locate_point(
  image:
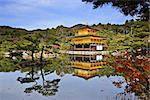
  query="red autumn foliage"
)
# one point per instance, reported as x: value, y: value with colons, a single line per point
x: 134, y: 71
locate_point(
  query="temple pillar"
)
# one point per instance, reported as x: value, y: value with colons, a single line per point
x: 82, y: 46
x: 82, y: 58
x: 90, y: 58
x: 90, y: 47
x: 74, y: 47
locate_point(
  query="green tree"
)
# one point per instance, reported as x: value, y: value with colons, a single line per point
x: 29, y: 42
x: 127, y: 7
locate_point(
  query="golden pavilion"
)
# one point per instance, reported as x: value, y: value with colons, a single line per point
x: 87, y: 39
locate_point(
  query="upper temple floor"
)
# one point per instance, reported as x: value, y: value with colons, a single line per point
x: 86, y: 31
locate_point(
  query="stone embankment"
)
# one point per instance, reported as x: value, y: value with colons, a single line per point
x: 27, y: 54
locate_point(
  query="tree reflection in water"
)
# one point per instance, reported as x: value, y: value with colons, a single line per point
x: 30, y: 77
x: 48, y: 87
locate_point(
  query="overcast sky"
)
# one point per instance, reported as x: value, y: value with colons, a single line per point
x: 33, y: 14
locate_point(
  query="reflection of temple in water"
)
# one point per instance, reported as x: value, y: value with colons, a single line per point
x: 87, y: 66
x: 87, y: 62
x: 86, y: 74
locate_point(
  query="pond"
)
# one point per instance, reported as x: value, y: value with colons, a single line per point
x: 71, y: 78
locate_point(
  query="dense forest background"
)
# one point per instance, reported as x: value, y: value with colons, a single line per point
x: 131, y: 35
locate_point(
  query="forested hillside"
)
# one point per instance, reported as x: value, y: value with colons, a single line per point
x: 131, y: 35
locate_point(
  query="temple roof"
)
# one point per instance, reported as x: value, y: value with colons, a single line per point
x: 87, y: 27
x: 81, y: 26
x: 88, y: 36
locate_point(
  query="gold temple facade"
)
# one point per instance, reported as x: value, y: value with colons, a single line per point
x: 87, y: 39
x: 86, y: 31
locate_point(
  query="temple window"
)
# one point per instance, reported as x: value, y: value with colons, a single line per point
x: 86, y: 46
x: 78, y: 46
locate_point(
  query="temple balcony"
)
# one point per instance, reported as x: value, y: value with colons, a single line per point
x: 88, y: 40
